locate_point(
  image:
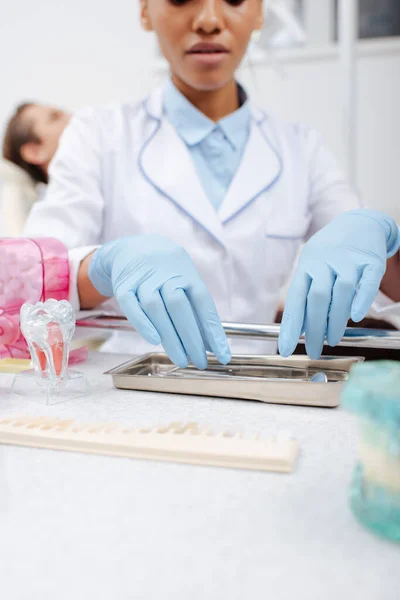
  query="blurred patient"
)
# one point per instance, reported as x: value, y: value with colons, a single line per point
x: 30, y: 143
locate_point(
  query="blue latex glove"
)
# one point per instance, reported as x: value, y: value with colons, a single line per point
x: 160, y: 292
x: 338, y: 276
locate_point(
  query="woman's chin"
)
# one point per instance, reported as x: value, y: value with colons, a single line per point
x: 207, y: 81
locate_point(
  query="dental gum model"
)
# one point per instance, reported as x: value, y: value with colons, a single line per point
x: 373, y: 393
x: 48, y: 328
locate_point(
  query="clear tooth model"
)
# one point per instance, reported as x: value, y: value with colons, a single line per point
x: 48, y: 328
x: 373, y: 393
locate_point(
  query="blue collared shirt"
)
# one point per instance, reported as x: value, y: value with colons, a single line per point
x: 216, y: 148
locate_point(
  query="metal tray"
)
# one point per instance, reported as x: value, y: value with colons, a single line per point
x: 270, y: 379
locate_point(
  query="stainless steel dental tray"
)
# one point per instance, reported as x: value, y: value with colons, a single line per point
x: 270, y: 379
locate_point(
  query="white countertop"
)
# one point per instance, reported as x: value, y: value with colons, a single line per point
x: 82, y: 527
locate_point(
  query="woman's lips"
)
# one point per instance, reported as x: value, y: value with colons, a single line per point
x: 207, y: 53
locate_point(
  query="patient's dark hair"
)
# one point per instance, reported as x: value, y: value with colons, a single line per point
x: 19, y: 131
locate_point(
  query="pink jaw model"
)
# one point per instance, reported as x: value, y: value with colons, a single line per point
x: 30, y: 271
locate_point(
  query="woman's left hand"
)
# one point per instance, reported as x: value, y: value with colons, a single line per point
x: 338, y: 277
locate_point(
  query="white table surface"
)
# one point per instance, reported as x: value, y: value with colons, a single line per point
x: 82, y: 527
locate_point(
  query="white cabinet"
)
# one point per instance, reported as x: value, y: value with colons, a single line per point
x: 320, y: 22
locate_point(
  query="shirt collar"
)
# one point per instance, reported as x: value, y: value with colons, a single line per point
x: 193, y: 126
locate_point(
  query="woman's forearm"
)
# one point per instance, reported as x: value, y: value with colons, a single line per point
x: 391, y: 281
x: 89, y: 297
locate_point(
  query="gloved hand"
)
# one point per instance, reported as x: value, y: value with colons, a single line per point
x: 160, y: 292
x: 338, y: 276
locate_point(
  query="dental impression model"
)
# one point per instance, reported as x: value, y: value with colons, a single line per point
x: 48, y: 328
x: 373, y: 393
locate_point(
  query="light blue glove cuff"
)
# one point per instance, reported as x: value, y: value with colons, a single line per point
x: 99, y: 271
x: 391, y: 228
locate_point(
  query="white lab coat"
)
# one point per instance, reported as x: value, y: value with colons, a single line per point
x: 125, y: 171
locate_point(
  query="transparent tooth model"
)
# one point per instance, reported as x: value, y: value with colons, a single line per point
x: 48, y: 328
x: 373, y: 393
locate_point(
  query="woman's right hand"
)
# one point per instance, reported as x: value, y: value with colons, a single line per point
x: 162, y: 295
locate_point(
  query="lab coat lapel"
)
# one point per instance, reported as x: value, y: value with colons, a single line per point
x: 259, y: 170
x: 163, y: 156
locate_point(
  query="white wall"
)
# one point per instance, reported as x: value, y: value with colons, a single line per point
x: 93, y: 51
x: 72, y: 52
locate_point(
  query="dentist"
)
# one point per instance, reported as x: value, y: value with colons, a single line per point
x: 191, y: 205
